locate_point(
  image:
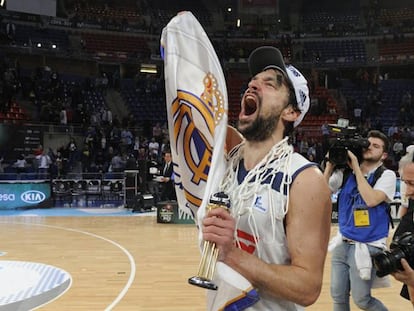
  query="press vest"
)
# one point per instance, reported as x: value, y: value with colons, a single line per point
x: 349, y: 200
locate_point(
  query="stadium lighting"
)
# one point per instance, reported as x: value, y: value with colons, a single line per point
x: 148, y: 68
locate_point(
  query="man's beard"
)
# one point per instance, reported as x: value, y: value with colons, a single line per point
x: 261, y: 128
x: 372, y: 159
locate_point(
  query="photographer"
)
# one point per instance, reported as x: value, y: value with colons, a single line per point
x: 406, y: 169
x: 406, y: 207
x: 363, y: 219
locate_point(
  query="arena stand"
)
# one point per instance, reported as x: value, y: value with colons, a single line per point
x: 96, y: 38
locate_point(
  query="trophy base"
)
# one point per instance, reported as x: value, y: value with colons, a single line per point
x: 202, y: 282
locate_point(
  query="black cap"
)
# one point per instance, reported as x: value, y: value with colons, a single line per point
x: 266, y: 57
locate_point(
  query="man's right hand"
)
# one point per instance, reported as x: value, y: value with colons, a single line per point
x: 407, y: 275
x: 352, y: 160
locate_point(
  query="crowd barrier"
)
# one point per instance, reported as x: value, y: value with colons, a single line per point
x: 25, y: 194
x: 82, y: 190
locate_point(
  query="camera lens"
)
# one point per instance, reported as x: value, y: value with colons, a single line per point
x: 338, y: 155
x: 388, y: 262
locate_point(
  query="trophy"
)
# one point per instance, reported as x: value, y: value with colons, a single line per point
x: 210, y: 253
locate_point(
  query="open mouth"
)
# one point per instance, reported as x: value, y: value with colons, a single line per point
x: 250, y: 105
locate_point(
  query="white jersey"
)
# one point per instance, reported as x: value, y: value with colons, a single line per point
x: 260, y: 218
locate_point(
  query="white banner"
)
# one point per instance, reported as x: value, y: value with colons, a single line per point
x: 197, y: 107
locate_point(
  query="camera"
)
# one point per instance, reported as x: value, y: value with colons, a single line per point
x: 346, y: 139
x: 390, y: 261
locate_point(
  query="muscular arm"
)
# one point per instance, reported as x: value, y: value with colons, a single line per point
x: 371, y: 196
x: 308, y: 229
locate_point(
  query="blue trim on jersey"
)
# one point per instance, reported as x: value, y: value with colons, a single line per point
x: 250, y: 298
x: 296, y: 173
x: 242, y: 173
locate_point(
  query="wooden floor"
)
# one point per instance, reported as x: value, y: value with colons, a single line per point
x: 127, y: 263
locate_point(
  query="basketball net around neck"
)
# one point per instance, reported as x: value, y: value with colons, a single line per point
x: 278, y: 159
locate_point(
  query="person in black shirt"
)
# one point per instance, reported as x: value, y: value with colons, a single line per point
x: 167, y: 179
x: 153, y: 170
x: 406, y: 276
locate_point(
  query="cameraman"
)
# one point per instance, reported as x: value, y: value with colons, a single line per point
x: 363, y: 220
x: 406, y: 169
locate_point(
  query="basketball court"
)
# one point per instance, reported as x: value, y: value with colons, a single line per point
x: 111, y: 259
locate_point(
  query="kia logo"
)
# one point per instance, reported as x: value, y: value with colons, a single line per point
x: 32, y: 196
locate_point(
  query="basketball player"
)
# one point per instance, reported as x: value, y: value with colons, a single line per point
x: 277, y: 231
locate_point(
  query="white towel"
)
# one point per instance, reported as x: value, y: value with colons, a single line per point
x: 363, y: 260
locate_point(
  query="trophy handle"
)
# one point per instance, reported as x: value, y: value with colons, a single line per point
x: 210, y: 252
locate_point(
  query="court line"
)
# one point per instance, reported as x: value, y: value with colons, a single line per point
x: 128, y: 254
